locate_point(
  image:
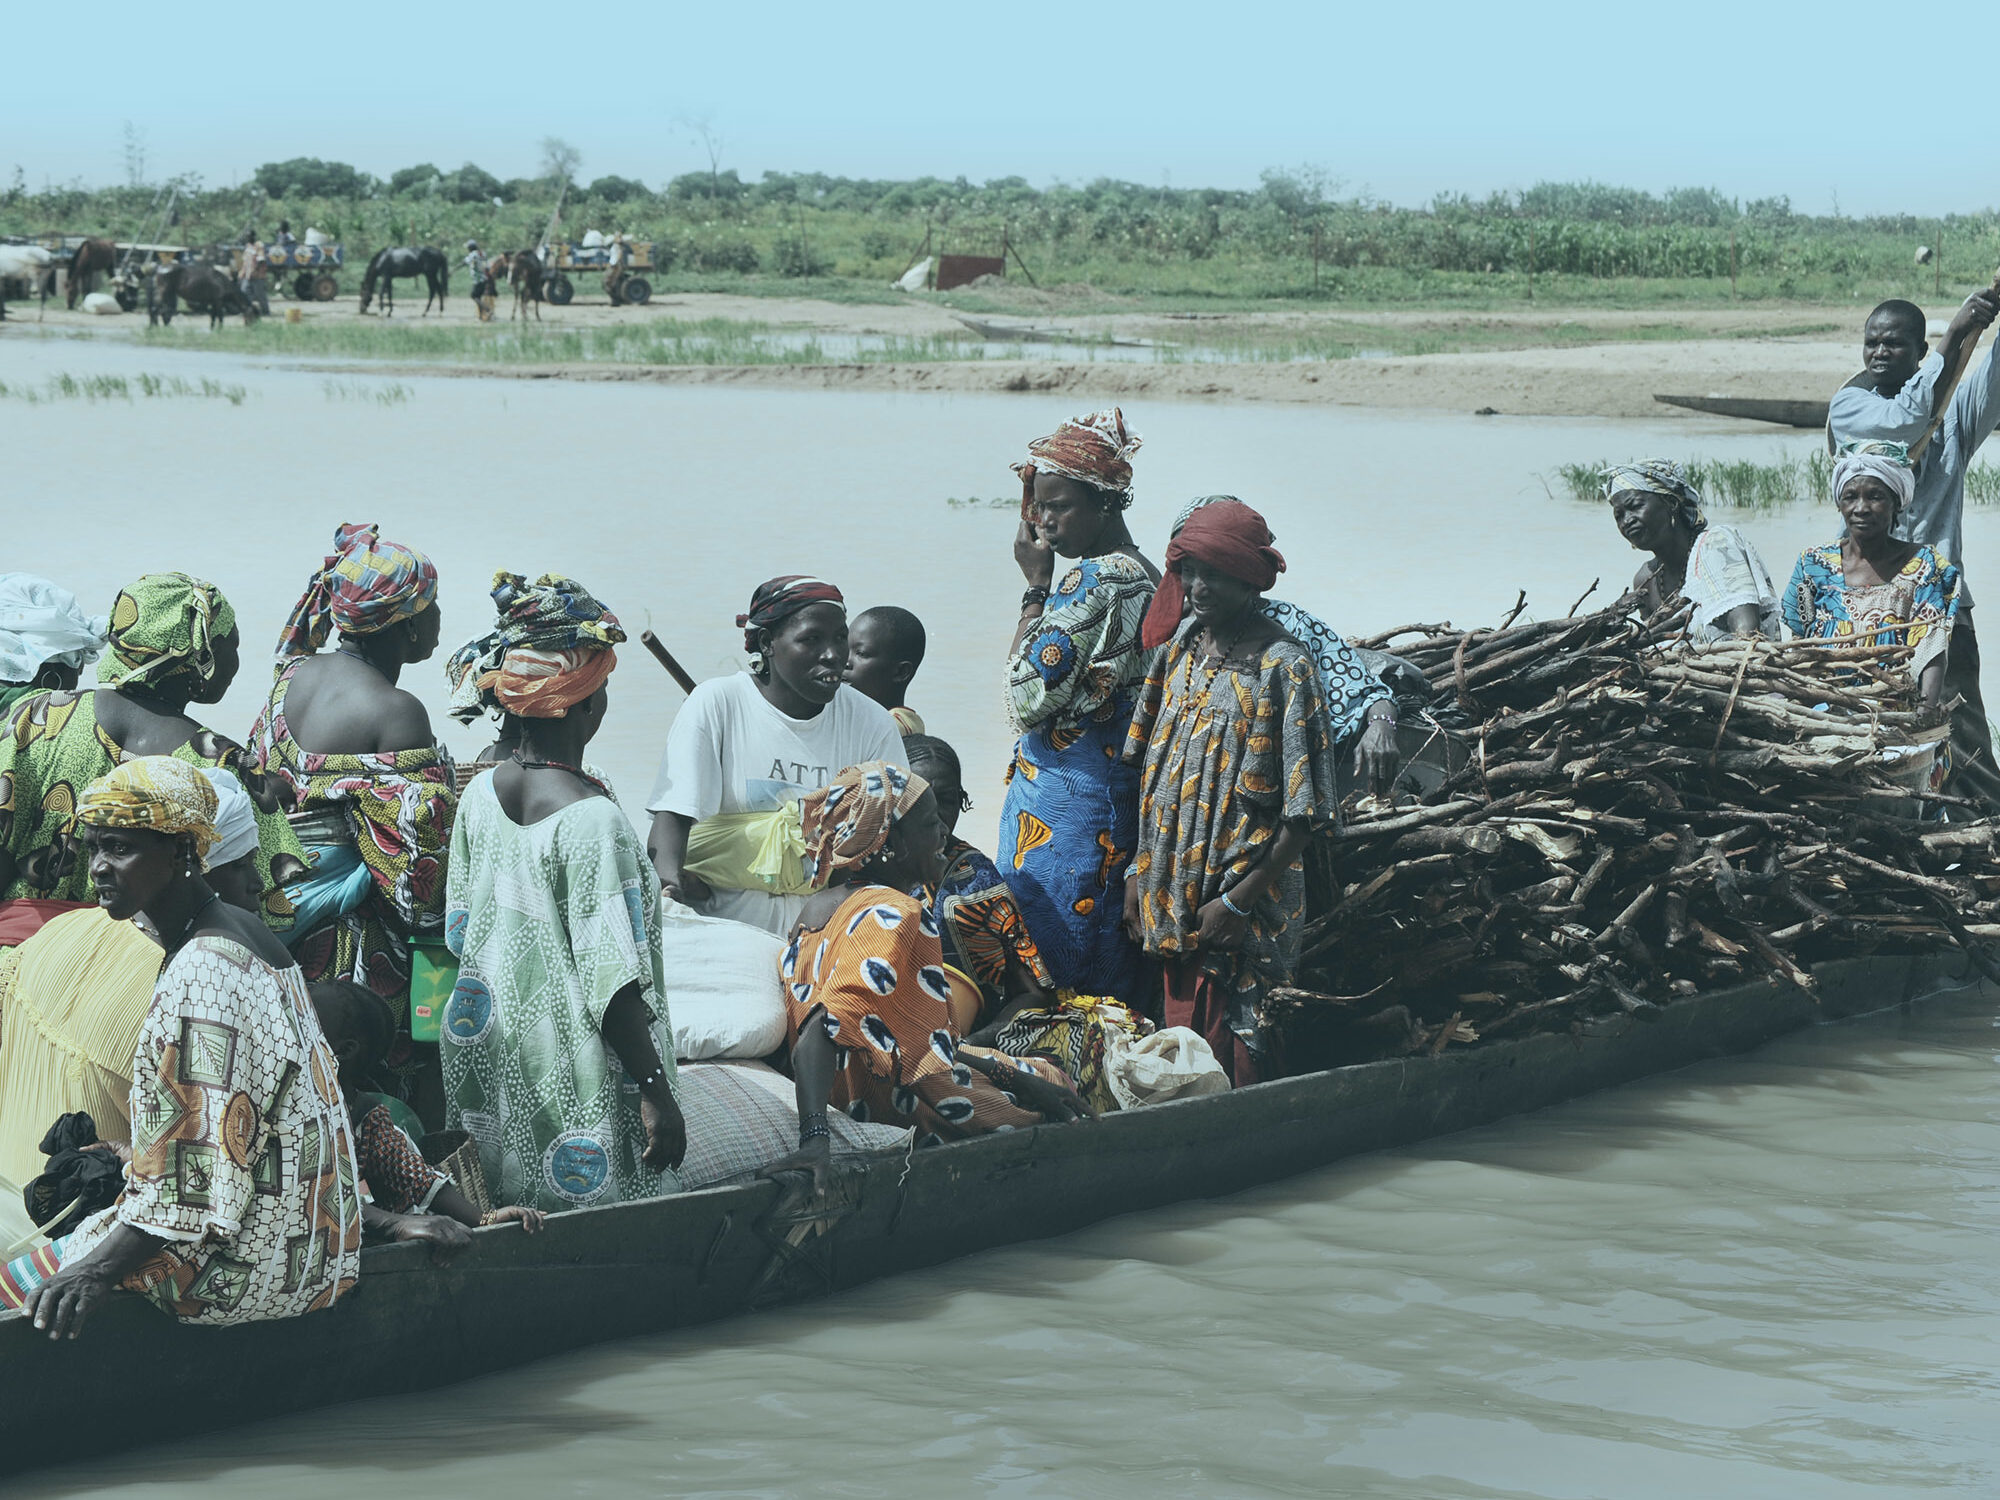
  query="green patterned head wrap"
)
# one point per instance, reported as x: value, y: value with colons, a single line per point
x: 162, y: 626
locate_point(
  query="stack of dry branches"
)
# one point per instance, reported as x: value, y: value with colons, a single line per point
x: 1623, y: 822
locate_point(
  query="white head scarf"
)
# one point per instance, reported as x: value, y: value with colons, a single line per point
x: 41, y: 623
x: 235, y: 820
x: 1899, y: 477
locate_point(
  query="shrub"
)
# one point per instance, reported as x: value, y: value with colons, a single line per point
x: 617, y: 189
x: 415, y: 179
x: 309, y: 177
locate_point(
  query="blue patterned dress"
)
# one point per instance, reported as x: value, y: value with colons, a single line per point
x: 1071, y: 818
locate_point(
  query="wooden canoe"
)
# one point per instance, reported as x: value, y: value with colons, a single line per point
x: 1754, y: 409
x: 602, y: 1274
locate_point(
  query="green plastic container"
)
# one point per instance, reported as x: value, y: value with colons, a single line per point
x: 433, y: 976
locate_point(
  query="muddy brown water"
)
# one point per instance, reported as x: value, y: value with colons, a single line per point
x: 1774, y: 1275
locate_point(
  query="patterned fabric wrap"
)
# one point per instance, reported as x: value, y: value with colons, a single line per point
x: 54, y: 748
x: 551, y: 614
x: 392, y: 810
x: 1070, y: 821
x: 154, y: 792
x: 41, y: 623
x: 242, y: 1158
x: 1658, y: 476
x: 980, y: 926
x: 1077, y: 1033
x: 1915, y: 608
x: 550, y: 922
x: 1096, y: 449
x: 1228, y: 757
x: 365, y: 585
x: 1724, y: 572
x: 547, y: 684
x: 165, y: 625
x: 1899, y: 476
x: 778, y: 599
x: 874, y: 976
x: 846, y: 822
x: 235, y: 821
x: 1226, y: 534
x: 393, y: 1170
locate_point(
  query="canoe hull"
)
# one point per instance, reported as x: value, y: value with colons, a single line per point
x: 1754, y: 409
x: 640, y: 1268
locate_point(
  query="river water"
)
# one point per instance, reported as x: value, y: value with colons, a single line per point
x: 1773, y: 1275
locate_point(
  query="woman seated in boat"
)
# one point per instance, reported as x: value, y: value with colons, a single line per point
x: 1715, y: 569
x: 1360, y: 707
x: 746, y: 748
x: 173, y: 642
x: 870, y: 1007
x: 1067, y: 827
x: 986, y: 941
x: 1236, y: 774
x: 46, y: 640
x: 239, y: 1202
x: 1871, y: 588
x: 557, y: 1049
x: 73, y: 997
x: 552, y: 614
x: 374, y: 789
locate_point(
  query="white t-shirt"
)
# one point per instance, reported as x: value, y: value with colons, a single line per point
x: 730, y: 751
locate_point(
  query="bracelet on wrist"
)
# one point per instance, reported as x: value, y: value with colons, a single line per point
x: 486, y: 1219
x: 1240, y: 911
x: 658, y: 1075
x: 1034, y: 597
x: 814, y: 1128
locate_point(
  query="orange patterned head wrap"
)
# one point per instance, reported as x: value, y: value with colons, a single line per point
x: 547, y: 684
x: 1095, y: 450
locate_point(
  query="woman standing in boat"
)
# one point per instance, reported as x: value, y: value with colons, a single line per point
x: 553, y: 613
x: 870, y: 1005
x: 1236, y: 775
x: 173, y: 642
x: 557, y: 1048
x: 746, y: 749
x: 1716, y: 569
x: 1070, y: 820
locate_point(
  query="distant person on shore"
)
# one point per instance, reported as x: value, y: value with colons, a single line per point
x: 1714, y: 568
x: 1074, y: 666
x: 1236, y: 775
x: 1894, y: 400
x: 614, y: 275
x: 256, y: 283
x: 885, y: 646
x: 374, y: 789
x: 746, y: 749
x: 476, y: 266
x: 46, y: 638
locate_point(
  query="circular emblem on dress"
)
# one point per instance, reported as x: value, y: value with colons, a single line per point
x: 239, y: 1128
x: 468, y: 1014
x: 879, y: 974
x: 635, y: 907
x: 455, y: 922
x: 577, y: 1166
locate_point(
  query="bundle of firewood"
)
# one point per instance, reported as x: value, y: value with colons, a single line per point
x: 1621, y: 821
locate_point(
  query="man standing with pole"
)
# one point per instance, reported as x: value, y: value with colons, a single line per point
x: 1906, y: 394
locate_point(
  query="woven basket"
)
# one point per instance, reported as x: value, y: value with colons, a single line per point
x: 453, y: 1153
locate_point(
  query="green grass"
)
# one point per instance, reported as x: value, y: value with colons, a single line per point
x: 66, y: 387
x: 1743, y: 485
x: 395, y: 393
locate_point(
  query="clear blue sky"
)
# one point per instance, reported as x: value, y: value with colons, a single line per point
x: 1400, y: 100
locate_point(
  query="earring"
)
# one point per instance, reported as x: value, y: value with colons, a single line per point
x: 756, y: 661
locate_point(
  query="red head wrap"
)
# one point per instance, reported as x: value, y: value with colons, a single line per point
x: 1096, y: 450
x: 778, y: 599
x: 1228, y: 535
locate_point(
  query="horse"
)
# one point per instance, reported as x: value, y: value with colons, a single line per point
x: 208, y: 289
x: 524, y: 273
x: 29, y: 263
x: 427, y: 262
x: 91, y: 257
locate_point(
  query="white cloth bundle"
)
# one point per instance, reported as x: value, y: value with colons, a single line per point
x: 723, y: 990
x: 41, y: 622
x: 1173, y: 1063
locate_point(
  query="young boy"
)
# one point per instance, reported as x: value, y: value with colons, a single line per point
x: 359, y: 1028
x: 885, y: 646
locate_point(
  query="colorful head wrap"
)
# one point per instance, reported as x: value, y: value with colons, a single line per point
x: 41, y: 623
x: 235, y: 820
x: 1225, y: 534
x: 1657, y: 476
x: 778, y: 599
x: 551, y: 615
x: 154, y: 792
x: 162, y: 626
x: 1095, y: 450
x: 365, y: 585
x: 847, y: 821
x: 546, y: 684
x: 1888, y: 462
x: 1181, y: 517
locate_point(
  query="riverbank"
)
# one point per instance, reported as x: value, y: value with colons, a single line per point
x: 1573, y: 361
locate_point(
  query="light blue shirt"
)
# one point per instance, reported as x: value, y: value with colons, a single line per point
x: 1936, y: 514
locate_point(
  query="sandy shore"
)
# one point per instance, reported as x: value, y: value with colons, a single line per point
x: 1746, y: 351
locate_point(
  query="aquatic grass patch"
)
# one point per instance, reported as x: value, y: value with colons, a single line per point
x: 395, y: 393
x: 67, y: 387
x: 991, y: 502
x: 1746, y: 485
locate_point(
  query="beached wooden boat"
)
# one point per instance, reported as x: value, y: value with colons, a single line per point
x: 1754, y: 409
x: 1028, y: 333
x: 607, y: 1273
